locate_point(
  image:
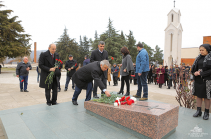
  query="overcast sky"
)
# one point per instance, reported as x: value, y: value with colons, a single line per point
x: 45, y: 20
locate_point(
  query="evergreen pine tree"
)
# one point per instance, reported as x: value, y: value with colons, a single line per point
x: 13, y: 40
x: 131, y: 44
x: 66, y: 46
x: 113, y: 43
x: 158, y: 55
x: 94, y: 44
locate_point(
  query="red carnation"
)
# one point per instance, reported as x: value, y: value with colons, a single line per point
x: 129, y: 102
x: 59, y: 67
x: 123, y: 103
x: 22, y: 80
x: 75, y: 64
x: 56, y: 59
x: 116, y: 101
x: 127, y: 98
x: 115, y: 69
x: 123, y: 98
x: 132, y: 75
x: 132, y: 101
x: 112, y: 58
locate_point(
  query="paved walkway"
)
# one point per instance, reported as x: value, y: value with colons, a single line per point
x: 11, y: 97
x: 26, y: 116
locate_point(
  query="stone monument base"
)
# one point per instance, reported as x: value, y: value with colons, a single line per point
x: 142, y: 119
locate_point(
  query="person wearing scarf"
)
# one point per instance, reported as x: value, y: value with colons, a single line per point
x: 201, y: 71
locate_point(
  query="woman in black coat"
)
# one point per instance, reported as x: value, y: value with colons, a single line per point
x: 166, y: 75
x: 201, y: 70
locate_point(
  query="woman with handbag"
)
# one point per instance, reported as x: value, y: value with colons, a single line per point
x: 201, y: 71
x: 126, y: 68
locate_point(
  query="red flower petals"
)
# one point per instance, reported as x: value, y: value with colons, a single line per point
x: 123, y: 98
x: 22, y: 80
x: 127, y: 98
x: 112, y: 58
x: 123, y: 103
x: 129, y: 102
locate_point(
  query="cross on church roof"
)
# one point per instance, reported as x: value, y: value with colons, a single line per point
x: 174, y: 3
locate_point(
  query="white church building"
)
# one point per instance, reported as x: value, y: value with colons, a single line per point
x: 173, y: 38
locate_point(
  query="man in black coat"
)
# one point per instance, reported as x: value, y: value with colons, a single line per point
x: 46, y: 64
x: 115, y: 71
x: 71, y: 66
x: 99, y: 55
x: 84, y: 76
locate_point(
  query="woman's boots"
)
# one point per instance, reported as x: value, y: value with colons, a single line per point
x: 121, y: 92
x: 127, y: 94
x: 198, y: 112
x: 206, y: 114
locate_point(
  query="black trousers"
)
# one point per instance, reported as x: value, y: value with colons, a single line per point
x: 115, y: 78
x: 135, y: 81
x: 169, y: 83
x: 54, y: 93
x: 59, y: 83
x: 104, y: 80
x: 125, y: 79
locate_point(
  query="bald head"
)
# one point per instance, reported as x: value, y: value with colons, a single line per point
x: 25, y: 59
x: 52, y: 48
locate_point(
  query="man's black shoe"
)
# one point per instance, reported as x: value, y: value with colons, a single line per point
x: 21, y: 90
x: 49, y: 104
x: 65, y: 89
x: 55, y: 103
x: 26, y: 91
x: 95, y: 96
x: 74, y: 102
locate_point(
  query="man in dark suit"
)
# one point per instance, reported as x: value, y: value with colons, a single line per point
x: 84, y: 76
x: 99, y: 55
x: 46, y: 64
x: 71, y: 66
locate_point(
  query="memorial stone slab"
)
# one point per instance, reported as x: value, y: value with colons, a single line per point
x: 150, y: 119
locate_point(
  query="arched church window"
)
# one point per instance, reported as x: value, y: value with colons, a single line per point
x: 172, y: 18
x: 171, y: 43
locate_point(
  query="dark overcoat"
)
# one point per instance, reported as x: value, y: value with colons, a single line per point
x: 160, y: 76
x: 70, y: 64
x: 116, y: 69
x: 45, y: 63
x: 87, y: 74
x: 98, y: 56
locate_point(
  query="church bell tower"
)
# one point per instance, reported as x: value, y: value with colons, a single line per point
x: 173, y: 38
